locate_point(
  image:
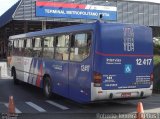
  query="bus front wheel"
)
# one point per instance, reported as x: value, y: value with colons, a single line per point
x: 16, y: 81
x: 47, y: 87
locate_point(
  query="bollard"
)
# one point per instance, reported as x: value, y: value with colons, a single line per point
x: 11, y: 105
x: 140, y: 111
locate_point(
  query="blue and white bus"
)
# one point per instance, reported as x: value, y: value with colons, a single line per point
x: 86, y: 62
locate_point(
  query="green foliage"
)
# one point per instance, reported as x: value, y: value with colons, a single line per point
x: 156, y: 42
x: 156, y: 59
x: 156, y: 49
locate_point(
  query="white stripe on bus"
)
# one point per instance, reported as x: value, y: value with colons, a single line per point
x: 57, y: 105
x: 16, y: 110
x: 38, y: 108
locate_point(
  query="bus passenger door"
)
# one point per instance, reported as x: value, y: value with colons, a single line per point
x: 60, y: 65
x: 80, y: 67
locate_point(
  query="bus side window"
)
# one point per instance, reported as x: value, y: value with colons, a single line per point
x: 10, y: 45
x: 15, y: 47
x: 48, y: 50
x: 28, y: 48
x: 10, y: 48
x: 21, y: 47
x: 80, y: 46
x: 37, y: 48
x: 62, y: 46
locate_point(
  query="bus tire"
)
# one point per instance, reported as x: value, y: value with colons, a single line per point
x: 47, y: 88
x: 16, y: 81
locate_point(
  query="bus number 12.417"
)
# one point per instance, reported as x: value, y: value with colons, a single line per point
x: 143, y: 61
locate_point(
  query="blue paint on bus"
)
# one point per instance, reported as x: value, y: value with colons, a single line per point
x: 120, y: 62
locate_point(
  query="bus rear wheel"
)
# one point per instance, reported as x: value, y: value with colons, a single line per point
x: 47, y: 88
x: 16, y: 81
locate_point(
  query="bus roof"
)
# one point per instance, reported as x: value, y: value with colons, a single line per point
x: 66, y: 29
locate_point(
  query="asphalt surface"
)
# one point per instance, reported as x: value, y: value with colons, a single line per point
x: 31, y: 104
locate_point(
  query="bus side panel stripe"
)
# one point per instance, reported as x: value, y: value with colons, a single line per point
x: 38, y: 81
x: 121, y: 55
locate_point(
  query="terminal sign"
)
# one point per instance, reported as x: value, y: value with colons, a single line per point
x: 72, y: 10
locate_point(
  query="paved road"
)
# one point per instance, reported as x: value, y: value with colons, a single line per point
x: 30, y: 103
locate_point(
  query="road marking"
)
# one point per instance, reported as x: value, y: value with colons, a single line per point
x: 17, y: 110
x: 57, y: 105
x: 38, y: 108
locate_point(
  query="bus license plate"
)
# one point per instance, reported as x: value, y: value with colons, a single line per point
x: 126, y: 95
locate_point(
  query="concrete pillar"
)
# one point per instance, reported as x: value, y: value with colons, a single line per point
x: 5, y: 43
x: 43, y: 25
x: 25, y: 26
x: 13, y: 31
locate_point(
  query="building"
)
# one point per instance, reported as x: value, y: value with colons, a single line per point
x: 33, y: 15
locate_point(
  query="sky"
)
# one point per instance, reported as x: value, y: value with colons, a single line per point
x: 6, y: 4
